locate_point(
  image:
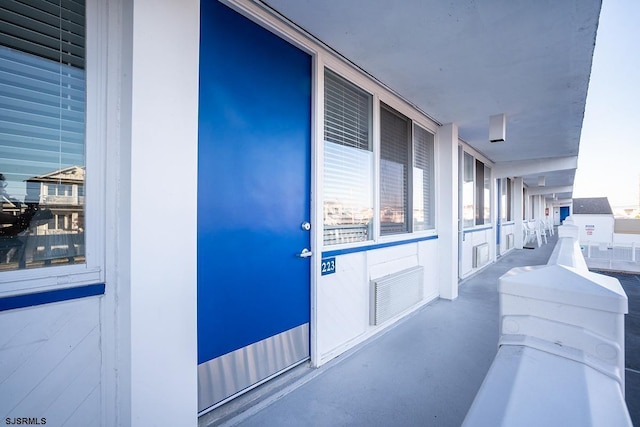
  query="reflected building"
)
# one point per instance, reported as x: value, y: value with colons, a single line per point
x: 62, y: 192
x: 48, y: 227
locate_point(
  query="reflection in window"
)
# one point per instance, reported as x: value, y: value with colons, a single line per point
x: 487, y: 195
x: 42, y: 137
x: 476, y: 192
x: 505, y: 199
x: 348, y: 162
x: 467, y: 191
x: 394, y: 172
x: 423, y: 192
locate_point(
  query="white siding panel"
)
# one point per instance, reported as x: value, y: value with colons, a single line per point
x: 85, y: 415
x: 428, y: 258
x: 50, y: 365
x: 505, y: 230
x: 472, y: 239
x: 343, y: 302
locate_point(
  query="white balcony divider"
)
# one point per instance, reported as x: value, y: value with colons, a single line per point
x: 560, y: 359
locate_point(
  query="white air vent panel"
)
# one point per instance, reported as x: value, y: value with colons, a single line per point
x: 392, y: 294
x: 480, y: 255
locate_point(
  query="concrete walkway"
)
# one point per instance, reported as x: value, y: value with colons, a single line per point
x: 425, y: 371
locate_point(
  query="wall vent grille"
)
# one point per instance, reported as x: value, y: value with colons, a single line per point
x: 510, y: 241
x: 393, y: 294
x: 480, y: 255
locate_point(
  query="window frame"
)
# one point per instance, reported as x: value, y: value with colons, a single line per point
x: 506, y: 196
x: 432, y: 193
x: 380, y: 94
x: 481, y: 177
x: 326, y: 70
x: 47, y: 278
x: 407, y: 207
x: 414, y: 119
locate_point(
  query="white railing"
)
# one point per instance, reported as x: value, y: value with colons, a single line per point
x: 560, y: 359
x: 628, y: 252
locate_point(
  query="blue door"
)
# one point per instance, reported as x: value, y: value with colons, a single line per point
x: 253, y: 203
x: 564, y: 213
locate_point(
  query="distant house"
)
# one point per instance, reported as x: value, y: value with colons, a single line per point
x: 61, y: 191
x: 594, y: 217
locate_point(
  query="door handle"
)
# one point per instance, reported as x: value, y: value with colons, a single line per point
x: 306, y: 253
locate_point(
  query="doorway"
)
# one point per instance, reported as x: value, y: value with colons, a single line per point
x: 254, y: 181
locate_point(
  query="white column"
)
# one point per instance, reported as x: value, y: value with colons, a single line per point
x: 159, y: 189
x: 518, y: 240
x: 447, y: 212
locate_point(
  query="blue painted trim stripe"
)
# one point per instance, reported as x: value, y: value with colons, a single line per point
x: 48, y: 297
x: 477, y: 229
x: 376, y: 246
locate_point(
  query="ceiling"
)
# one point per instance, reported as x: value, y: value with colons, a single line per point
x: 462, y: 61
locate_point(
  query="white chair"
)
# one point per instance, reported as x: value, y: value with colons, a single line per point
x: 531, y: 233
x: 549, y: 224
x: 542, y: 231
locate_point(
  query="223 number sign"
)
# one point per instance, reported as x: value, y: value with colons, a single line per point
x: 328, y: 266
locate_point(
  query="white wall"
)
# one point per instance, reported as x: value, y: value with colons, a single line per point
x: 447, y: 209
x: 343, y: 299
x: 474, y: 238
x: 600, y: 226
x: 627, y: 239
x: 152, y: 267
x: 505, y: 230
x: 50, y: 363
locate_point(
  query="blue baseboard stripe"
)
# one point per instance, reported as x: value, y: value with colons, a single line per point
x: 47, y: 297
x: 375, y: 246
x: 474, y: 230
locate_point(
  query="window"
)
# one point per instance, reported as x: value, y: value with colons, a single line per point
x: 42, y: 142
x: 406, y: 193
x: 348, y: 162
x: 476, y: 192
x: 394, y: 172
x: 423, y: 179
x: 467, y: 191
x: 486, y: 195
x: 505, y: 199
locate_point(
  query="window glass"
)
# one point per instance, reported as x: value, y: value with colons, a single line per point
x: 509, y: 195
x: 423, y: 192
x: 479, y: 193
x: 487, y: 195
x: 503, y: 200
x: 42, y: 136
x: 348, y: 162
x: 394, y: 172
x: 467, y: 191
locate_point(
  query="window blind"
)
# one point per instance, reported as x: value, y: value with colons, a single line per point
x: 423, y: 162
x: 42, y: 126
x: 348, y: 162
x: 486, y: 203
x: 479, y: 202
x: 467, y: 191
x: 53, y: 29
x: 347, y: 113
x: 509, y: 192
x: 42, y: 86
x: 394, y: 175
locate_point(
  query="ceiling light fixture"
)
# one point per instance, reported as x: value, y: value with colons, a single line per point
x: 497, y: 128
